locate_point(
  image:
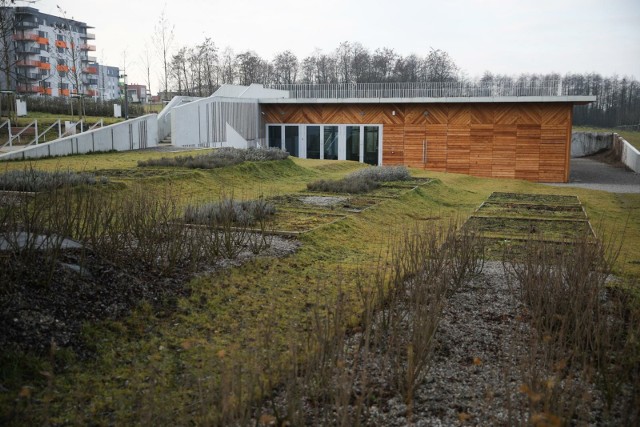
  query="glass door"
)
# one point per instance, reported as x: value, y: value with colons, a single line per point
x: 371, y: 144
x: 331, y: 142
x: 313, y: 142
x: 291, y: 140
x: 353, y: 143
x: 275, y: 136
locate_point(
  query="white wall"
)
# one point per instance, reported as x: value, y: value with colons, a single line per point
x: 164, y: 118
x: 133, y: 134
x: 587, y: 143
x: 629, y: 155
x: 204, y: 123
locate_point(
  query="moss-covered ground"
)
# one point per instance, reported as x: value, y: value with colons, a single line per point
x: 162, y: 366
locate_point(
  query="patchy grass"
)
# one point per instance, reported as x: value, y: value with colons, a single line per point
x: 159, y: 366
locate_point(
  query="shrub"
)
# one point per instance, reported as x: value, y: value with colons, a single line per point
x: 382, y: 173
x: 345, y: 185
x: 228, y: 210
x: 36, y: 180
x: 226, y: 156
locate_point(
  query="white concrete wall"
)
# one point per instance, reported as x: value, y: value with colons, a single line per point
x: 629, y: 155
x: 202, y: 123
x: 164, y: 118
x: 133, y: 134
x: 588, y: 143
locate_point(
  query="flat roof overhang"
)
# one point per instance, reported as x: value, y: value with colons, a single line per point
x: 454, y: 100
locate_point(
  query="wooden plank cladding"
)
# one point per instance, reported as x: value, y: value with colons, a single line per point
x: 503, y: 140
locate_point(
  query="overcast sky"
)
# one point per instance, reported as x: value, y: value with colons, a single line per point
x: 503, y: 36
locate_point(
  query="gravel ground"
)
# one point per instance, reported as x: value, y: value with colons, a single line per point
x: 592, y: 174
x: 322, y: 200
x: 476, y: 374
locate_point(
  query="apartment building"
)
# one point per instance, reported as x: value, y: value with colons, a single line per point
x: 108, y: 83
x: 51, y: 55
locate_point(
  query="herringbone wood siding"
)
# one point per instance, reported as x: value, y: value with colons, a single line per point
x: 512, y: 140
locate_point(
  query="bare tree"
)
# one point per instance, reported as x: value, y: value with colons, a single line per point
x: 145, y: 61
x: 228, y: 66
x: 439, y: 67
x: 249, y: 67
x: 344, y: 61
x: 164, y: 36
x: 285, y: 67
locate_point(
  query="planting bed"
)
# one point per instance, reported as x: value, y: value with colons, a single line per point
x: 508, y: 220
x: 321, y: 202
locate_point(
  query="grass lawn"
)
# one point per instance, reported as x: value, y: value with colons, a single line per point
x: 156, y: 368
x: 632, y: 137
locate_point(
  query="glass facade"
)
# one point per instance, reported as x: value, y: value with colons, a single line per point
x: 359, y: 143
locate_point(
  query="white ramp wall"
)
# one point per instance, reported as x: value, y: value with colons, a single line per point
x: 133, y: 134
x: 204, y: 123
x: 629, y: 155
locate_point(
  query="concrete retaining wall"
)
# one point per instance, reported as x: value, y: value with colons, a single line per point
x: 626, y: 152
x: 204, y: 123
x: 588, y: 143
x: 133, y: 134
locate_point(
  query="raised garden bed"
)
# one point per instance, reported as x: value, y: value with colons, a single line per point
x: 531, y: 210
x: 550, y: 199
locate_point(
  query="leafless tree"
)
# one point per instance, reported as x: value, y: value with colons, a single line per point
x: 439, y: 67
x: 164, y: 37
x: 285, y: 67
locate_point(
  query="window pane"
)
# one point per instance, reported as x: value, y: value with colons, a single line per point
x: 291, y: 140
x: 371, y: 134
x: 275, y: 136
x: 313, y: 142
x: 353, y: 143
x: 331, y: 142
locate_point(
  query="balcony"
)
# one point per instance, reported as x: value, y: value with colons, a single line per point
x: 44, y: 66
x: 22, y: 49
x: 61, y: 43
x: 28, y: 63
x: 87, y: 47
x: 26, y: 88
x: 64, y: 92
x: 26, y: 24
x: 88, y: 36
x: 63, y: 68
x: 43, y: 40
x: 91, y: 92
x: 91, y: 70
x: 26, y: 36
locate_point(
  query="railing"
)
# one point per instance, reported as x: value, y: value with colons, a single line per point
x: 43, y: 134
x: 74, y: 128
x: 7, y: 123
x: 96, y: 124
x: 424, y: 90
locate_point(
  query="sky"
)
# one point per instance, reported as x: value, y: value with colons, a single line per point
x: 501, y: 36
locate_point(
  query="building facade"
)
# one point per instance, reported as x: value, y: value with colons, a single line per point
x: 502, y: 131
x: 48, y: 55
x: 108, y: 83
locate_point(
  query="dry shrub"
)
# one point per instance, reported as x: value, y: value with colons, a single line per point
x: 584, y: 333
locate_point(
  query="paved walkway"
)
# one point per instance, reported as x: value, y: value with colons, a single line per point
x: 595, y: 175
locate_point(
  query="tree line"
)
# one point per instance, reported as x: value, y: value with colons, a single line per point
x: 201, y: 69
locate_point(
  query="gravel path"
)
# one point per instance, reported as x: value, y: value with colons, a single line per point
x: 594, y: 175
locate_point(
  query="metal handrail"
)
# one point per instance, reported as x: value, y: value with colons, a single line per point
x: 68, y: 131
x: 8, y: 124
x: 427, y: 89
x: 95, y: 125
x: 44, y: 133
x: 17, y: 135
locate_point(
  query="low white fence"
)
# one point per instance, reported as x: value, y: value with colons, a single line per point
x: 133, y: 134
